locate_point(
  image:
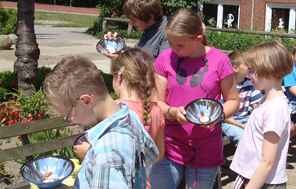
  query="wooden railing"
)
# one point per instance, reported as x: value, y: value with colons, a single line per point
x: 27, y: 149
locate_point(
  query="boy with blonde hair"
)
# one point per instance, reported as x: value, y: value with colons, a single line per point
x: 234, y: 127
x: 120, y: 148
x: 146, y: 16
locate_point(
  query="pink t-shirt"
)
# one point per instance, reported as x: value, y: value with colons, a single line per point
x: 157, y: 118
x: 272, y: 116
x: 190, y: 79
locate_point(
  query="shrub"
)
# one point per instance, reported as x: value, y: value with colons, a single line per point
x: 8, y: 82
x: 8, y: 21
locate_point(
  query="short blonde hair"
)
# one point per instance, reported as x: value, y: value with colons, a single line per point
x: 143, y: 9
x: 186, y: 22
x: 272, y: 60
x: 138, y: 73
x: 72, y: 77
x: 236, y: 58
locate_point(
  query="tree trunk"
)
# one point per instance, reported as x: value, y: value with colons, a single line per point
x: 72, y: 3
x: 27, y: 51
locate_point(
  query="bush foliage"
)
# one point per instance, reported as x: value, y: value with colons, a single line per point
x: 8, y: 21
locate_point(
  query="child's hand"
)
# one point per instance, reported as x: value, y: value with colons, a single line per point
x: 180, y: 115
x: 209, y: 126
x: 80, y: 150
x: 110, y: 35
x: 112, y: 56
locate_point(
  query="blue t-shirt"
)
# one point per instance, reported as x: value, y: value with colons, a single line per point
x: 289, y: 81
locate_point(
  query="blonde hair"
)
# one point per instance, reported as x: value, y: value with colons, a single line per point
x: 186, y: 22
x: 236, y: 58
x: 271, y: 60
x: 138, y: 74
x: 143, y: 9
x: 72, y: 77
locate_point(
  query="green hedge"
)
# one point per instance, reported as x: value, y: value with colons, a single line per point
x: 8, y: 21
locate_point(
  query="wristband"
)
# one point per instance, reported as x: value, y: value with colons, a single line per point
x: 222, y: 118
x: 168, y: 114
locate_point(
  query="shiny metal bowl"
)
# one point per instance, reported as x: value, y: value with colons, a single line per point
x: 110, y: 46
x: 47, y: 168
x: 203, y: 111
x: 81, y: 139
x: 292, y: 108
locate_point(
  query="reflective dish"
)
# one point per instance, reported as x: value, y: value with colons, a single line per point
x: 203, y: 111
x: 47, y: 171
x: 110, y: 46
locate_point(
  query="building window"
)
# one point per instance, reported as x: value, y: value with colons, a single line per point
x: 221, y: 14
x: 280, y: 16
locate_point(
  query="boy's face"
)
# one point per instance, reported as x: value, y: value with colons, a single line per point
x: 77, y: 113
x: 140, y: 25
x: 242, y: 70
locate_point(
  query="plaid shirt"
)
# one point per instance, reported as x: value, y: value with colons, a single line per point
x: 120, y: 149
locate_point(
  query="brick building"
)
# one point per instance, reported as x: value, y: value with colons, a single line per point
x: 263, y: 15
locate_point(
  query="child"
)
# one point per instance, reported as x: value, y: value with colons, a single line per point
x: 234, y: 127
x: 120, y: 148
x: 290, y: 85
x: 146, y: 16
x: 190, y: 70
x: 133, y: 82
x: 260, y: 158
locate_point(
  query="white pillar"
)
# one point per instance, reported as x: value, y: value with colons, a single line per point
x: 268, y: 18
x: 220, y: 16
x: 292, y: 20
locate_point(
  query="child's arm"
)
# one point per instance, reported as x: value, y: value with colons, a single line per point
x: 292, y: 90
x: 234, y: 122
x: 81, y: 150
x: 174, y: 112
x: 269, y: 151
x: 230, y: 96
x: 159, y: 141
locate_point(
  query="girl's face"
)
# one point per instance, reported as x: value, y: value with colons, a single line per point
x: 182, y: 46
x: 258, y: 83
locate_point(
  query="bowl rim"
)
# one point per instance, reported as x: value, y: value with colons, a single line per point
x: 102, y: 39
x: 199, y: 99
x: 43, y: 157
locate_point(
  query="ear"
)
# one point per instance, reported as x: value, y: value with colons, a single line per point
x: 120, y: 78
x: 87, y: 99
x: 151, y: 18
x: 199, y: 38
x: 235, y: 68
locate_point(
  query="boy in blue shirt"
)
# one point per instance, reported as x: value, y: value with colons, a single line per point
x: 233, y: 127
x: 290, y: 85
x: 120, y: 148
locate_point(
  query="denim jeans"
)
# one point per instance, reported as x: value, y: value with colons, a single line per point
x: 167, y: 174
x: 234, y: 132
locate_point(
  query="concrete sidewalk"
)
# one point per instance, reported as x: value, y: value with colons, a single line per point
x: 57, y: 43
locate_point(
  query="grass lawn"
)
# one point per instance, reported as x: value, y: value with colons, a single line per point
x: 57, y: 19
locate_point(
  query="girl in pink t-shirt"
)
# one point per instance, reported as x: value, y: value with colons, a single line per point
x: 191, y: 70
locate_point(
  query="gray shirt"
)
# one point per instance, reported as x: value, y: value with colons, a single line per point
x: 154, y: 38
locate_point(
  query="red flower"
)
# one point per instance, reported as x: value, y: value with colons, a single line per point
x: 0, y: 83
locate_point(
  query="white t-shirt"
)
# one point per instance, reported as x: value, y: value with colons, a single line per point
x: 270, y: 116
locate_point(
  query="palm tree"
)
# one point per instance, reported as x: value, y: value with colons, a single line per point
x: 27, y: 51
